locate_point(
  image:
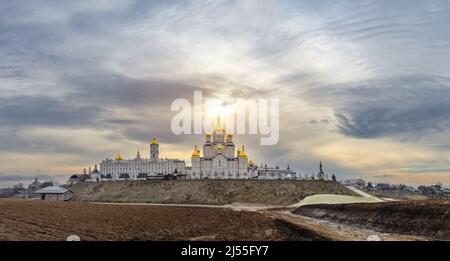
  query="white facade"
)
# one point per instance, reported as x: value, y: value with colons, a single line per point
x: 138, y: 168
x: 219, y: 161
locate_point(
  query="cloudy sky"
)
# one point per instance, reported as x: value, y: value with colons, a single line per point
x: 364, y: 85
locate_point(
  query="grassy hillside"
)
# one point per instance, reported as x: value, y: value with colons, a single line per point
x: 214, y: 192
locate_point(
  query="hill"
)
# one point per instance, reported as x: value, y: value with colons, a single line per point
x: 212, y: 192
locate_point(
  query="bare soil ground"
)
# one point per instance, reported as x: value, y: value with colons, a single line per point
x: 430, y: 218
x: 46, y: 220
x: 340, y: 232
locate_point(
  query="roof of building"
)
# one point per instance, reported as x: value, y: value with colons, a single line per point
x: 52, y: 190
x: 81, y: 177
x: 35, y: 183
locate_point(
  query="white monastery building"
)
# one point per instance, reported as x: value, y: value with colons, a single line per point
x: 138, y: 168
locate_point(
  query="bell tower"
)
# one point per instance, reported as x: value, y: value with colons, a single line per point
x: 154, y: 149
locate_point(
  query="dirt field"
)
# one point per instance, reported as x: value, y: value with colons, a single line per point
x: 210, y: 192
x: 45, y: 220
x: 429, y: 218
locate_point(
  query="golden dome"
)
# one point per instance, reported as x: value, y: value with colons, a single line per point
x: 119, y: 157
x: 219, y: 147
x: 250, y: 163
x: 196, y: 152
x: 242, y: 154
x: 154, y: 141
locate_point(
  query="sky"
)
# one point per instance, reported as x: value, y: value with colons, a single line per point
x: 364, y: 86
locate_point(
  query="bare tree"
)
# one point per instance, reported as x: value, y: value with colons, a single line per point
x: 18, y: 186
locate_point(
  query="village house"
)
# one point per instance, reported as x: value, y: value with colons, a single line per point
x: 55, y: 193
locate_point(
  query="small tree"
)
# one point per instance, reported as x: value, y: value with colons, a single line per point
x: 333, y: 177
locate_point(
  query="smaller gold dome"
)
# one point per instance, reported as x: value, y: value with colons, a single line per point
x: 219, y: 147
x: 119, y: 157
x: 154, y: 141
x: 250, y: 162
x: 196, y: 152
x: 243, y: 154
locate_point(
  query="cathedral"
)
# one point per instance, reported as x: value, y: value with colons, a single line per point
x: 219, y: 160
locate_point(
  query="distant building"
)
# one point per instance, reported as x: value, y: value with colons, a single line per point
x: 75, y: 178
x: 355, y: 182
x: 383, y: 186
x: 55, y: 193
x: 35, y: 185
x: 265, y: 172
x: 24, y: 193
x: 321, y: 174
x: 6, y: 192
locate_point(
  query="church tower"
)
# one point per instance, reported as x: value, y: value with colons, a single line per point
x: 196, y: 163
x: 154, y: 149
x: 229, y: 147
x: 242, y: 163
x: 321, y: 174
x: 207, y: 147
x: 219, y: 132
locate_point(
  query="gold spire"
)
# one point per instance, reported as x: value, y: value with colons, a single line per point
x: 154, y: 141
x: 196, y: 152
x: 219, y: 126
x: 138, y: 155
x: 242, y: 154
x: 119, y: 157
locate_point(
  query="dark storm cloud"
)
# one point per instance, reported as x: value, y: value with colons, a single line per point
x: 21, y: 139
x: 389, y: 107
x: 45, y: 111
x: 117, y: 90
